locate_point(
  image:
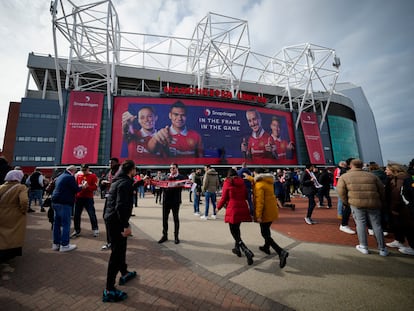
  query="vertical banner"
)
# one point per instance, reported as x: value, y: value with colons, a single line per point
x: 83, y: 126
x: 312, y: 136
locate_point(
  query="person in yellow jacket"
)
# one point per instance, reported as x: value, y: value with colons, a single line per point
x: 266, y: 211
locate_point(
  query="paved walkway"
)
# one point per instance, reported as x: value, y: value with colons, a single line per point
x: 324, y: 271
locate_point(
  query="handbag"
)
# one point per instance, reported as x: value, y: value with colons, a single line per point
x: 47, y: 202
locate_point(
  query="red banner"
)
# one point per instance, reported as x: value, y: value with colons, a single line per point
x: 83, y: 126
x: 312, y: 136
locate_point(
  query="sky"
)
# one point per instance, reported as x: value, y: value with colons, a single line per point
x: 373, y: 38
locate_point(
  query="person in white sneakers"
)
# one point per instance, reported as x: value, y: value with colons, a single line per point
x: 63, y: 199
x: 400, y: 191
x: 364, y: 192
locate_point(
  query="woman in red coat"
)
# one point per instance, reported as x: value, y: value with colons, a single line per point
x: 234, y: 198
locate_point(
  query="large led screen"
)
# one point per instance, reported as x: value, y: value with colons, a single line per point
x: 343, y: 138
x: 164, y: 130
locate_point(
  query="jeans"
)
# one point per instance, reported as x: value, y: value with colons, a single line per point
x: 61, y: 224
x: 311, y: 205
x: 196, y: 201
x: 340, y: 205
x: 212, y: 196
x: 88, y: 204
x: 250, y: 201
x: 36, y: 195
x: 141, y: 192
x: 374, y: 215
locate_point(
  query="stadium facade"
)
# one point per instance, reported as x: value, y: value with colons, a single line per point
x: 82, y: 105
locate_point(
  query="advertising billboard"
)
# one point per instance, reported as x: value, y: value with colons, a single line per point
x: 159, y: 131
x: 310, y: 127
x: 83, y: 127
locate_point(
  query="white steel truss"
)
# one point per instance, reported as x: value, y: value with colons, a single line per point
x: 218, y: 56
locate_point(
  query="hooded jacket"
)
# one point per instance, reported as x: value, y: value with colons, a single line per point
x: 264, y: 199
x: 211, y: 181
x: 234, y: 196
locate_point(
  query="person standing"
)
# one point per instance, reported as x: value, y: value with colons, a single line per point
x: 84, y: 199
x: 63, y: 199
x: 339, y: 170
x: 210, y: 186
x: 197, y: 180
x: 325, y: 180
x: 157, y: 188
x: 118, y: 209
x: 266, y: 211
x: 171, y: 201
x: 114, y: 169
x: 13, y: 207
x: 364, y: 193
x: 35, y: 184
x: 237, y: 211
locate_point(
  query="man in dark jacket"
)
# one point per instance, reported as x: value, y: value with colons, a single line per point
x: 118, y: 207
x: 63, y: 199
x: 171, y: 201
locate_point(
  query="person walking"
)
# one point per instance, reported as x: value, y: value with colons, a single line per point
x: 13, y: 208
x: 171, y: 201
x: 118, y: 210
x: 114, y: 169
x: 309, y: 188
x: 234, y: 196
x: 266, y: 211
x: 63, y: 199
x: 364, y: 193
x: 84, y: 199
x: 210, y: 186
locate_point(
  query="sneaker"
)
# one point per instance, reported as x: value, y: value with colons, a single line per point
x: 384, y: 252
x: 362, y: 249
x: 197, y: 214
x: 106, y: 246
x: 385, y: 233
x: 313, y: 221
x: 113, y: 295
x: 282, y: 258
x: 74, y: 235
x: 406, y: 250
x: 95, y: 233
x: 308, y: 221
x: 395, y: 244
x: 127, y: 277
x: 370, y: 232
x: 346, y: 229
x: 67, y: 248
x: 203, y: 217
x: 55, y: 247
x: 213, y: 217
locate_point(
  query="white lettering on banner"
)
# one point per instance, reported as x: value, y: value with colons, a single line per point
x: 85, y: 104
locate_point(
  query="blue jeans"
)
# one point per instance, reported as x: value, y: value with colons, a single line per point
x: 250, y: 201
x: 196, y: 201
x: 374, y: 215
x: 61, y: 224
x: 36, y: 195
x: 88, y: 204
x: 210, y: 196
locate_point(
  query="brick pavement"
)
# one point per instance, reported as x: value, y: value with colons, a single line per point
x: 48, y: 280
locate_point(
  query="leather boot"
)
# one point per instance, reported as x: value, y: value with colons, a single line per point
x: 236, y: 250
x: 176, y: 239
x: 247, y: 252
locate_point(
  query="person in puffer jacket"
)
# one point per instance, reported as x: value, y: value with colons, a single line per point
x: 234, y: 199
x: 266, y: 211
